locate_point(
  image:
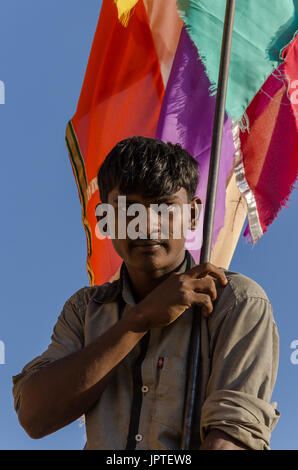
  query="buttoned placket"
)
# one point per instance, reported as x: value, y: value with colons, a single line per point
x: 149, y: 389
x: 148, y: 374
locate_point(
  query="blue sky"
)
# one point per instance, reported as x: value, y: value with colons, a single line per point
x: 43, y: 56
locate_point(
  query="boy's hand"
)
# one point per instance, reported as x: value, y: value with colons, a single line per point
x: 178, y: 293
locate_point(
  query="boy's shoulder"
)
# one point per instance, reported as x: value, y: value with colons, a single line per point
x: 106, y: 292
x: 241, y: 298
x: 244, y: 287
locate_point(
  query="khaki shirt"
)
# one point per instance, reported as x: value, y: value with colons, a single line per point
x: 239, y: 361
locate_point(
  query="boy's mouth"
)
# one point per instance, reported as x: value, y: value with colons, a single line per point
x: 148, y: 244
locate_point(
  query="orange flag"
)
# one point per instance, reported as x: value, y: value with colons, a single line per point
x: 121, y: 97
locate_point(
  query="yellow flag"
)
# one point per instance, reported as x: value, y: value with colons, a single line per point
x: 124, y: 8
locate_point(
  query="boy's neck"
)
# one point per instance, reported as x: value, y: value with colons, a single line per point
x: 142, y: 283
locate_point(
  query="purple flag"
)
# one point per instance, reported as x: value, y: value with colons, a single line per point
x: 187, y: 118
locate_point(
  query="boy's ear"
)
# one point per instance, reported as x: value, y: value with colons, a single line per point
x: 196, y: 207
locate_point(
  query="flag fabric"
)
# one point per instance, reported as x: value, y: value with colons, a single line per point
x: 186, y: 117
x: 121, y: 96
x: 147, y: 76
x: 267, y: 163
x: 261, y: 30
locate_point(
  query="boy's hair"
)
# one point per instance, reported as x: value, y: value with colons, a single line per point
x: 149, y: 166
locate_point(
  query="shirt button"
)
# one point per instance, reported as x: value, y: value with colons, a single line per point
x: 138, y: 437
x: 145, y: 389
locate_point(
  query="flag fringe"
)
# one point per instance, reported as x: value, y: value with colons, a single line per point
x: 244, y: 188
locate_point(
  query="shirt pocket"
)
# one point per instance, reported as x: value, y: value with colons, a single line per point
x: 170, y: 393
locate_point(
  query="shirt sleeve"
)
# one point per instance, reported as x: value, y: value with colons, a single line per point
x: 67, y: 338
x: 244, y: 349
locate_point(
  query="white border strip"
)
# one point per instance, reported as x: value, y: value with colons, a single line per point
x: 252, y: 211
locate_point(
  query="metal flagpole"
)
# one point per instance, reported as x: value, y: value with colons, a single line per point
x: 191, y: 391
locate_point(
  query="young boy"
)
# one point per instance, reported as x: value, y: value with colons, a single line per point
x: 119, y: 351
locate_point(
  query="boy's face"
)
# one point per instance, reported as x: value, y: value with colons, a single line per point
x: 154, y: 241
